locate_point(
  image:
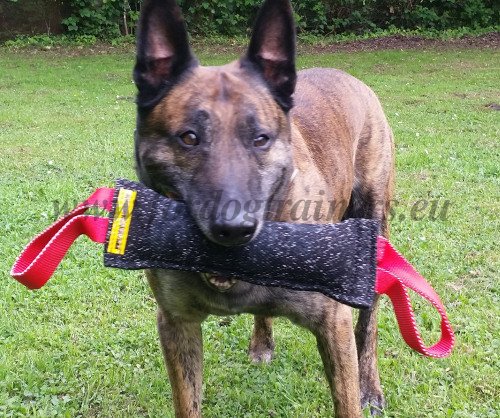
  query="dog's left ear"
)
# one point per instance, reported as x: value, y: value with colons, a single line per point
x: 272, y: 49
x: 163, y: 52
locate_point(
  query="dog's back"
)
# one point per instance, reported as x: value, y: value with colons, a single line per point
x: 339, y: 128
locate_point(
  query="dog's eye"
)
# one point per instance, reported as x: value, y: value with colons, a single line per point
x: 261, y: 141
x: 189, y: 139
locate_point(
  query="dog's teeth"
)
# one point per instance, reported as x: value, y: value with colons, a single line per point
x: 220, y: 283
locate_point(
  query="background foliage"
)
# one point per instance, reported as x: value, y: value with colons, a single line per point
x: 234, y: 17
x: 107, y: 19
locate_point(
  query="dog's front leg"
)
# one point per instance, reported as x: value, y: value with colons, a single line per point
x: 337, y: 347
x: 183, y: 352
x: 366, y: 341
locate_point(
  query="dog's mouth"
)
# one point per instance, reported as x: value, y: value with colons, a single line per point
x: 214, y: 281
x: 219, y: 283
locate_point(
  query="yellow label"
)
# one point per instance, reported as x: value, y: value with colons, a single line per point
x: 121, y: 221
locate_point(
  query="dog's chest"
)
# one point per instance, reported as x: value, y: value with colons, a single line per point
x: 188, y: 296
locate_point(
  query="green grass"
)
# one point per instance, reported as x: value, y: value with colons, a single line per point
x: 86, y: 344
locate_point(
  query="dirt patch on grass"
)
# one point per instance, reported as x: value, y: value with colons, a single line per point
x: 493, y: 106
x: 400, y: 42
x: 393, y: 42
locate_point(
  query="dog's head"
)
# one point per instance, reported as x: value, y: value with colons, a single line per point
x: 216, y: 137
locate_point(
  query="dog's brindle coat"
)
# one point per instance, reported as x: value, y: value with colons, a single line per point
x: 234, y: 130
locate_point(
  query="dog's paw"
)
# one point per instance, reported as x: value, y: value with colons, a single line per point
x: 260, y: 352
x: 374, y: 400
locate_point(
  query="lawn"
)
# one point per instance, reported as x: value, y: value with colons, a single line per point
x: 86, y: 344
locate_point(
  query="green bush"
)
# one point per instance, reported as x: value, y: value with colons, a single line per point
x: 110, y: 19
x: 105, y: 19
x: 30, y: 41
x: 436, y: 14
x: 47, y: 41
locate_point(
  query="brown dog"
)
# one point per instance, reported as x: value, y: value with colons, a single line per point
x: 234, y: 132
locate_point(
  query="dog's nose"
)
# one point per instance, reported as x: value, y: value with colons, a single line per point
x: 233, y: 233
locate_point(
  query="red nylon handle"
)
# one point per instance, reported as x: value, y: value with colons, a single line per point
x: 394, y: 276
x: 38, y: 261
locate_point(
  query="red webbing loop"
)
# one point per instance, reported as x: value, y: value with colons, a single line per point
x: 43, y: 254
x: 394, y: 275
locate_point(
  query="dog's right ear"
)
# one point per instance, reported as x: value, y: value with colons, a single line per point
x: 163, y: 52
x: 272, y: 49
